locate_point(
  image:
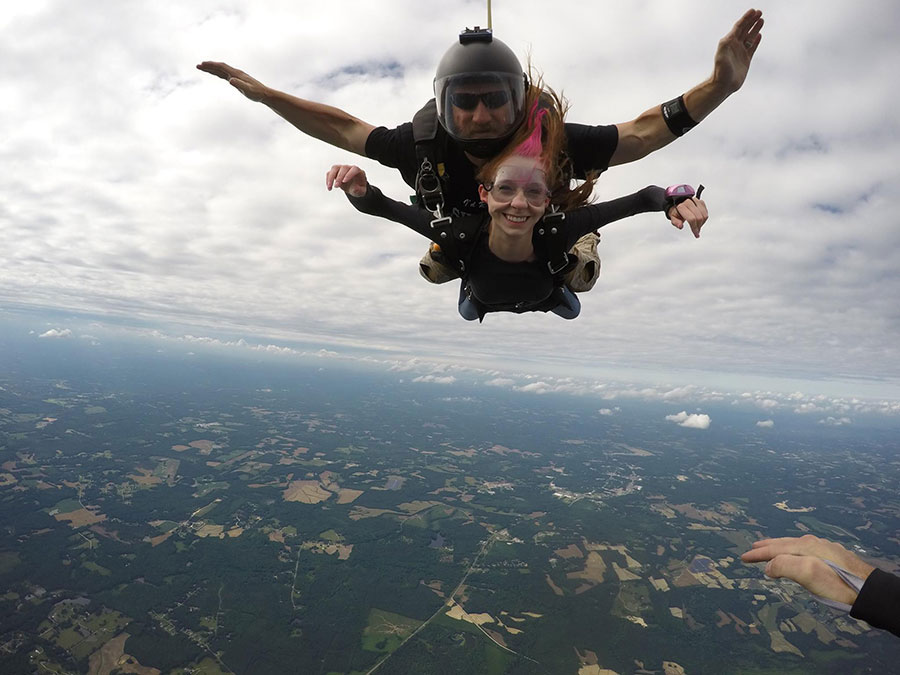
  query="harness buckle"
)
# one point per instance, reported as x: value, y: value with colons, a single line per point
x: 554, y: 218
x: 550, y: 234
x: 556, y: 269
x: 428, y: 187
x: 444, y: 227
x: 442, y: 223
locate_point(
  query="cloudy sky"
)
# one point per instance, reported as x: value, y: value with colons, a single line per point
x: 135, y: 188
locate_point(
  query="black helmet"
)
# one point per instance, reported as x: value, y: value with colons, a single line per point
x: 479, y: 89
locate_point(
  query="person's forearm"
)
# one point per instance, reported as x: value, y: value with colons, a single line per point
x: 649, y: 131
x: 325, y: 122
x: 376, y: 203
x: 594, y: 216
x: 701, y: 100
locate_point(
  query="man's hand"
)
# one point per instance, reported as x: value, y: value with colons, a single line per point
x: 248, y: 86
x: 349, y: 178
x: 325, y: 122
x: 691, y: 211
x: 800, y: 559
x: 736, y: 50
x: 649, y: 132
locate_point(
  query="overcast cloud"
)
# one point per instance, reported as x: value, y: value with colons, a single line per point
x: 136, y: 187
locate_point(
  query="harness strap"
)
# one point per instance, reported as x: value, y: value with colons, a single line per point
x: 549, y: 243
x: 457, y: 240
x: 428, y: 182
x: 557, y: 298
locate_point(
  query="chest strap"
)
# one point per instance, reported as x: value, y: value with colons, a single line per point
x: 457, y: 239
x: 429, y: 190
x: 549, y: 242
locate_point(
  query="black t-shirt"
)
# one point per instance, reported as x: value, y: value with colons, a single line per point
x: 590, y: 148
x: 495, y: 282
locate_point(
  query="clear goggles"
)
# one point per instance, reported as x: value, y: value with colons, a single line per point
x: 519, y: 174
x: 502, y: 94
x: 505, y: 190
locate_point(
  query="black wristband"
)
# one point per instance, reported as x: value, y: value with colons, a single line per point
x: 676, y: 116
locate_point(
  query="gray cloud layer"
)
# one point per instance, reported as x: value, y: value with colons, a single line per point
x: 137, y: 186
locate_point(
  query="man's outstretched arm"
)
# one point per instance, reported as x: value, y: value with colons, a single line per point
x: 649, y: 131
x: 325, y: 122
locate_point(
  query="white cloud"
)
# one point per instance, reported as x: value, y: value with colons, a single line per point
x: 606, y: 412
x: 540, y: 387
x: 692, y: 421
x: 836, y: 421
x: 435, y: 379
x: 765, y: 424
x: 767, y: 403
x: 500, y: 382
x: 56, y: 333
x: 679, y: 393
x: 697, y: 422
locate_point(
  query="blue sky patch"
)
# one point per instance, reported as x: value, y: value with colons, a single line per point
x: 381, y: 70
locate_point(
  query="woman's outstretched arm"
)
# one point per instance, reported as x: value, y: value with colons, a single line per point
x: 588, y: 218
x: 370, y: 200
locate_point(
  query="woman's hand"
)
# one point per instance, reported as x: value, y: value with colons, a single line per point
x: 349, y: 178
x: 691, y: 211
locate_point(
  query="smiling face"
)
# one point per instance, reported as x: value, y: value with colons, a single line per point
x: 517, y: 198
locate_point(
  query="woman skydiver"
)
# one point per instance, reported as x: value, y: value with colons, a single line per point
x: 514, y: 258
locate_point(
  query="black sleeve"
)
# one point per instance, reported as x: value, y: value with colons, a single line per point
x: 878, y: 603
x: 374, y: 203
x: 590, y: 147
x: 394, y: 148
x: 593, y: 216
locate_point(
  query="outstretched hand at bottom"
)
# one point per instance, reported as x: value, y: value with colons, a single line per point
x: 801, y: 559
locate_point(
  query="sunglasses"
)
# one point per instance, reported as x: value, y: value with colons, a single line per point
x: 469, y: 101
x: 504, y: 192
